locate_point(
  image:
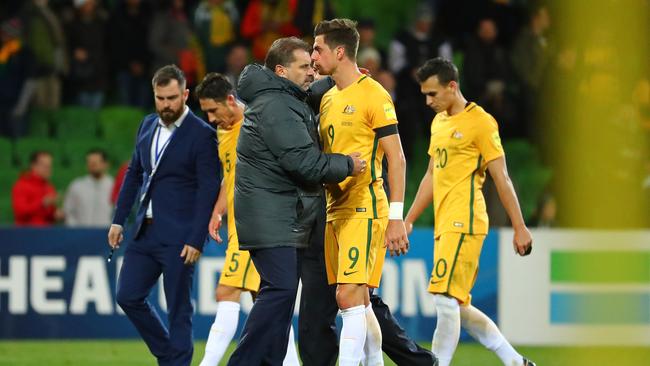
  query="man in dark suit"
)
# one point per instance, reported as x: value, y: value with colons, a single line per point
x: 174, y: 175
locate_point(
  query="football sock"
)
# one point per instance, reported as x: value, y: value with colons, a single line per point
x: 221, y: 332
x: 291, y: 358
x: 372, y: 353
x: 445, y: 337
x: 483, y: 329
x: 353, y: 335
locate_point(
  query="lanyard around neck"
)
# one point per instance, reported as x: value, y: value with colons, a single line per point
x: 159, y: 151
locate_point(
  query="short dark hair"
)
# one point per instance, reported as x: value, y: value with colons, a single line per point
x: 35, y: 155
x: 98, y: 151
x: 445, y: 70
x: 281, y: 51
x: 166, y: 74
x: 340, y: 32
x: 214, y: 86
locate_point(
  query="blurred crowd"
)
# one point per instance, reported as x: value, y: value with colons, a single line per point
x: 93, y: 53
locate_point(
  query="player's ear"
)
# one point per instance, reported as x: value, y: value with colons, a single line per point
x: 453, y: 85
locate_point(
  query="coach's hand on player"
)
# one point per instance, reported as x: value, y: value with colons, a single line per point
x: 359, y: 164
x: 522, y: 241
x: 213, y: 227
x: 115, y: 236
x: 397, y: 240
x: 190, y: 254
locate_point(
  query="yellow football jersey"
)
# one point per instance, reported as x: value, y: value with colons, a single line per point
x: 461, y: 146
x: 348, y: 119
x: 228, y: 157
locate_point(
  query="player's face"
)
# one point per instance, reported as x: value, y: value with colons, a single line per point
x: 324, y: 57
x: 221, y: 114
x: 170, y: 101
x: 439, y: 97
x: 300, y: 71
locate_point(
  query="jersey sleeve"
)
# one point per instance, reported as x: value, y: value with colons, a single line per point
x: 487, y: 139
x: 382, y: 111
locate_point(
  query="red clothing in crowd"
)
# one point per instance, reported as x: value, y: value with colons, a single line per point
x: 27, y: 196
x: 117, y: 185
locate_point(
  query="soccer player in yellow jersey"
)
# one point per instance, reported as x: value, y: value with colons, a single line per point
x: 464, y: 144
x: 357, y: 115
x: 215, y: 94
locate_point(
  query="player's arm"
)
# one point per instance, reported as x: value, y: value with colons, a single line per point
x: 522, y: 240
x: 396, y: 237
x: 220, y: 208
x: 423, y: 198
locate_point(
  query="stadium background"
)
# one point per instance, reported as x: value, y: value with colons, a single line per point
x: 575, y: 126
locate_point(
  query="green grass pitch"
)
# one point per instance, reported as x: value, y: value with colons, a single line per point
x: 134, y: 352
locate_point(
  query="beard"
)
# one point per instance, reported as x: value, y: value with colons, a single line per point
x: 169, y: 115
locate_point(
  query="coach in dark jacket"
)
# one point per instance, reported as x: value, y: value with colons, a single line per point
x: 278, y: 190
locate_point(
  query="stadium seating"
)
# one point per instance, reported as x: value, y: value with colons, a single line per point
x: 6, y: 154
x: 75, y: 122
x: 26, y: 146
x: 40, y: 123
x: 120, y: 123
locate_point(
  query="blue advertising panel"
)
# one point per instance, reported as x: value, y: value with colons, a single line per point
x: 57, y: 283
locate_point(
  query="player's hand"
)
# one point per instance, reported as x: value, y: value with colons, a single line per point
x: 409, y: 227
x: 397, y: 240
x: 213, y: 227
x: 190, y: 254
x: 115, y: 236
x: 522, y: 241
x: 359, y: 164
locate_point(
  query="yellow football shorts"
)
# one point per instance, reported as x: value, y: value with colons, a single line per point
x: 238, y: 269
x: 354, y: 250
x: 455, y: 265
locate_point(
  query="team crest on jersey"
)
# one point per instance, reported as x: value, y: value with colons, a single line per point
x: 349, y: 109
x: 457, y: 135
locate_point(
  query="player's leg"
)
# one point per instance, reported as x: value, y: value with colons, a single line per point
x: 452, y: 277
x: 477, y: 324
x: 346, y: 263
x: 483, y: 329
x: 225, y: 323
x: 373, y: 355
x: 238, y: 274
x: 397, y: 345
x: 291, y: 358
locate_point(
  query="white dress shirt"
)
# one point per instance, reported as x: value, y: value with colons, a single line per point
x: 161, y: 137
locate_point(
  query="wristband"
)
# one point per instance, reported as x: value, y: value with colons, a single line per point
x: 396, y: 211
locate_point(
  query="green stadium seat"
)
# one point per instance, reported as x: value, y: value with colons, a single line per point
x: 6, y: 154
x: 74, y: 150
x: 24, y: 147
x: 62, y: 177
x: 40, y: 124
x: 528, y: 175
x: 120, y: 123
x: 75, y: 122
x: 8, y: 177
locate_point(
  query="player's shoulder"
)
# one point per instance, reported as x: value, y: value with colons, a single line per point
x: 480, y: 117
x: 371, y: 87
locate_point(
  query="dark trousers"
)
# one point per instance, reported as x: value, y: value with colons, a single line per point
x: 317, y: 337
x: 145, y: 259
x: 266, y: 332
